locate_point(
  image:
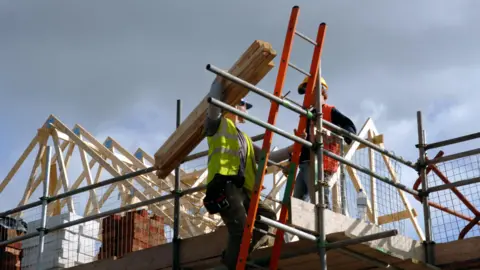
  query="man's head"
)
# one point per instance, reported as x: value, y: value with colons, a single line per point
x: 302, y: 88
x: 242, y: 106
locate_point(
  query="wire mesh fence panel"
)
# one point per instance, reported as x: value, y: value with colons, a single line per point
x: 454, y: 209
x: 385, y: 201
x: 130, y: 231
x: 112, y: 236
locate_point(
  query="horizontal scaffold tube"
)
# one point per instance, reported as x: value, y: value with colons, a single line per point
x: 354, y: 137
x: 454, y: 156
x: 80, y: 190
x: 306, y: 113
x: 308, y: 144
x: 454, y: 184
x: 453, y: 141
x: 259, y: 122
x: 259, y: 91
x: 286, y: 228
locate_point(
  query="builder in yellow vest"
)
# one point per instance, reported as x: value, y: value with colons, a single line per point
x: 331, y: 143
x: 231, y: 175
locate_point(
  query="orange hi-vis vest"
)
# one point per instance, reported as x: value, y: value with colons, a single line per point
x: 330, y: 143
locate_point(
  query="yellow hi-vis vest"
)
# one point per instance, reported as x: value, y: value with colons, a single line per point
x: 224, y: 154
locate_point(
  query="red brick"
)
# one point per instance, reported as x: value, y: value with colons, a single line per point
x: 10, y: 258
x: 131, y: 232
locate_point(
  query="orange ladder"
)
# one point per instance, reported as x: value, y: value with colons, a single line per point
x: 297, y: 147
x: 263, y: 159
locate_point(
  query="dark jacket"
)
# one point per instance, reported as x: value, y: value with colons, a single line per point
x: 339, y: 120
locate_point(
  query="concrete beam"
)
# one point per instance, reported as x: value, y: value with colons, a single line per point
x: 402, y: 247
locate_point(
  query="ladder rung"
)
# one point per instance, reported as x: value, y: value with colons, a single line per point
x: 299, y: 69
x: 305, y: 38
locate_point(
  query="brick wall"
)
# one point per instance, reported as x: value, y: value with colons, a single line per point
x: 10, y: 255
x: 135, y: 230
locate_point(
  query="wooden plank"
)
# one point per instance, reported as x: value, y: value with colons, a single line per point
x: 412, y: 264
x: 378, y: 139
x: 63, y: 169
x: 88, y: 173
x: 63, y: 146
x: 192, y: 251
x: 203, y: 252
x: 29, y: 189
x: 373, y: 180
x: 19, y: 163
x: 53, y: 207
x: 457, y: 251
x: 252, y: 66
x: 373, y: 249
x: 395, y: 217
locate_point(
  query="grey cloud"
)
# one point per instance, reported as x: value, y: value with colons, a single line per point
x: 95, y: 63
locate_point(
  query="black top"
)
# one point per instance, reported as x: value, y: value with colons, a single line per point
x: 339, y: 120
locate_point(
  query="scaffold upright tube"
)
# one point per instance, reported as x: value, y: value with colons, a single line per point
x: 44, y: 200
x: 309, y: 144
x: 429, y: 258
x: 354, y: 137
x: 176, y: 205
x: 259, y: 91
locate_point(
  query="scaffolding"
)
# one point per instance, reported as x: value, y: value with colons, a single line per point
x: 423, y: 166
x: 316, y: 145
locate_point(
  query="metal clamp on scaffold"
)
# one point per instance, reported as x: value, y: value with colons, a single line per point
x: 317, y: 145
x: 419, y: 165
x: 322, y: 183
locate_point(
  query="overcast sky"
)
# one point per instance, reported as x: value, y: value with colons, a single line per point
x: 118, y: 67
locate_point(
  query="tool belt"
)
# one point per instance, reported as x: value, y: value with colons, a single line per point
x: 216, y: 199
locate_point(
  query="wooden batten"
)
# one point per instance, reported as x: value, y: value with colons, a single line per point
x: 378, y: 139
x: 395, y: 216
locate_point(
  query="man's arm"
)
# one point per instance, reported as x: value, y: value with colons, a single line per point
x: 344, y: 122
x: 275, y: 156
x: 214, y: 113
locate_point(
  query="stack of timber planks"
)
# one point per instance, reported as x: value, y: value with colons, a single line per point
x: 252, y: 66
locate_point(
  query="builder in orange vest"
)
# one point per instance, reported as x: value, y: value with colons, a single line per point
x: 331, y: 143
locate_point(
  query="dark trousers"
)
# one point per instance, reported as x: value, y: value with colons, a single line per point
x: 235, y: 218
x: 302, y: 191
